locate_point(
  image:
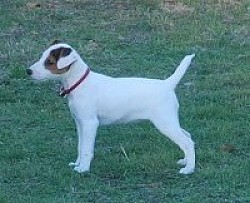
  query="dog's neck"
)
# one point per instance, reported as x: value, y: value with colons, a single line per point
x: 75, y: 73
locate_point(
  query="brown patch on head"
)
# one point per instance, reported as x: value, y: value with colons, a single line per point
x: 56, y: 42
x: 54, y: 56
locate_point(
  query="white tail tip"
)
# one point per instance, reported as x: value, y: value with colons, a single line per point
x: 191, y: 56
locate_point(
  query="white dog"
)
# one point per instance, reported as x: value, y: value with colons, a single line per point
x: 96, y: 99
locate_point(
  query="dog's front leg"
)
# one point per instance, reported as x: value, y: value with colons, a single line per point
x: 87, y: 134
x: 78, y: 130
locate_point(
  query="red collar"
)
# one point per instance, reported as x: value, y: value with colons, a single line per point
x: 65, y: 92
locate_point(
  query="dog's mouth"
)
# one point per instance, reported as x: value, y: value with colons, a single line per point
x: 35, y: 75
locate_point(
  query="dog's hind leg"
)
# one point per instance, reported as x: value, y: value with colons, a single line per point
x: 186, y: 132
x: 171, y: 129
x: 183, y: 162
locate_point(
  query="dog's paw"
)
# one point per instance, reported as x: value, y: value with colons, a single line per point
x: 186, y: 171
x: 80, y: 169
x: 182, y: 162
x: 73, y: 164
x: 76, y: 163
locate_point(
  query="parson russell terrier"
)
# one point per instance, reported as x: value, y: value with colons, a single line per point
x: 96, y: 99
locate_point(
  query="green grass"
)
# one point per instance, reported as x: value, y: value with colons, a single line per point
x: 142, y: 38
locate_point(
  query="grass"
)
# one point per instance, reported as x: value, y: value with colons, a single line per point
x: 143, y: 38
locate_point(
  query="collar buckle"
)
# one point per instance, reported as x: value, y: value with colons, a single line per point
x: 62, y: 93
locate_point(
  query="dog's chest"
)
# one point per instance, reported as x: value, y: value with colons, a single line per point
x: 72, y: 108
x: 75, y: 109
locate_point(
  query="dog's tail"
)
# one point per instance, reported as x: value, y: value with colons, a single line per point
x: 180, y: 70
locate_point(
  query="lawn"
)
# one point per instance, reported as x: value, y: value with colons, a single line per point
x: 133, y: 162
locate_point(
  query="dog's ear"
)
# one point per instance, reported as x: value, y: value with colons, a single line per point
x: 56, y: 42
x: 66, y: 58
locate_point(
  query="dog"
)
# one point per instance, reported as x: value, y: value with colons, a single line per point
x: 96, y: 99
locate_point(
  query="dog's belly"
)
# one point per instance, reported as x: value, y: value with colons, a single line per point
x: 108, y: 121
x: 118, y: 117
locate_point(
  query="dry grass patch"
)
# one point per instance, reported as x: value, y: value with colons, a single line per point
x: 91, y: 47
x: 176, y: 7
x: 229, y: 2
x: 220, y: 5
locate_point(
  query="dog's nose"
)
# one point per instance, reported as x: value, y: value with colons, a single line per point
x: 29, y: 71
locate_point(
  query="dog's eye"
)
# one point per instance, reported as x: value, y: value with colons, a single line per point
x: 49, y: 63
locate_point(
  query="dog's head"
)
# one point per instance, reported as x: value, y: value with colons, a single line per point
x: 55, y: 62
